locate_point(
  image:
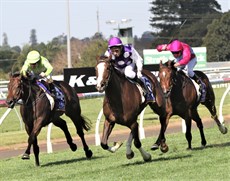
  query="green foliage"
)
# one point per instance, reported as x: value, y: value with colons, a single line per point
x: 217, y: 39
x: 95, y: 48
x: 184, y: 20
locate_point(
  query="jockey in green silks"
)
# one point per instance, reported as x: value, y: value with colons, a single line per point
x: 37, y: 64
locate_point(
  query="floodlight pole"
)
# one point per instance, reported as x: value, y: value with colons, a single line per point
x: 118, y: 23
x: 68, y: 38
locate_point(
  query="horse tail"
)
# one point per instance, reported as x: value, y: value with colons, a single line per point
x: 86, y: 123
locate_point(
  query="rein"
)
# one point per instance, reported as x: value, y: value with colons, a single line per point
x: 33, y: 102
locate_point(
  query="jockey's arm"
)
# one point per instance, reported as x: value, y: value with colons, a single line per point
x: 24, y: 69
x: 138, y: 61
x: 48, y: 66
x: 186, y: 54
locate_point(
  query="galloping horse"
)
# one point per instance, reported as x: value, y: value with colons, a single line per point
x: 182, y: 96
x: 36, y: 112
x: 123, y: 103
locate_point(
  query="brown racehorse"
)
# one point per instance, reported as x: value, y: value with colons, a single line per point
x: 182, y: 96
x: 123, y: 103
x: 36, y: 112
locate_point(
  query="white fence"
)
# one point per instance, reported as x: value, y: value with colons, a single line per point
x: 218, y: 78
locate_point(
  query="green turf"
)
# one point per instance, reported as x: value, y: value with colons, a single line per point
x: 210, y: 163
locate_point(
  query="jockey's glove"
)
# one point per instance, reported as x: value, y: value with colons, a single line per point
x: 139, y: 74
x: 42, y: 74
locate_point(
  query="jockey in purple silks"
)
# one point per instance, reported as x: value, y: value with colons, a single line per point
x: 185, y: 59
x: 127, y: 60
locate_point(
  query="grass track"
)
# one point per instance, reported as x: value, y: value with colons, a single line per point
x: 210, y: 163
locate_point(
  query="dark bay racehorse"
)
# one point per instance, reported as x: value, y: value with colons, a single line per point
x: 36, y: 112
x: 182, y: 96
x: 123, y: 103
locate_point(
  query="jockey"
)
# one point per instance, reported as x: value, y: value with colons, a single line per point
x: 185, y: 60
x: 126, y: 59
x: 39, y: 66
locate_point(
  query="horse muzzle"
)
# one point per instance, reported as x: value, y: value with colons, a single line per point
x: 10, y: 103
x: 100, y: 88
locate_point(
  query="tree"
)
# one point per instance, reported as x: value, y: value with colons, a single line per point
x: 95, y: 48
x: 33, y: 37
x: 217, y: 39
x: 172, y: 18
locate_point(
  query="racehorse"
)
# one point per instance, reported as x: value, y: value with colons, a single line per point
x: 123, y: 103
x: 36, y: 112
x: 182, y: 96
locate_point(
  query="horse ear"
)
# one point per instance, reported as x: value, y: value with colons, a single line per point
x: 169, y: 63
x: 160, y: 63
x: 10, y: 74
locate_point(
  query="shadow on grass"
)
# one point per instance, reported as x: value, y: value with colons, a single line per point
x: 70, y: 161
x: 158, y: 160
x: 221, y: 145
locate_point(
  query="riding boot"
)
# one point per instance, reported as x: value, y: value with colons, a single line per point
x: 147, y: 92
x: 202, y: 87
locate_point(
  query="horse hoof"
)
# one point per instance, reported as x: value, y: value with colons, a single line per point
x: 223, y: 129
x: 89, y: 154
x: 130, y: 156
x: 73, y: 147
x: 164, y: 149
x: 148, y: 158
x: 25, y: 156
x: 154, y: 147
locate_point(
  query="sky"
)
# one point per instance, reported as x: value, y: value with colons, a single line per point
x: 86, y: 17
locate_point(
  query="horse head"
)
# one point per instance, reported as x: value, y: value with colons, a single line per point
x: 166, y: 76
x: 103, y: 72
x: 14, y: 89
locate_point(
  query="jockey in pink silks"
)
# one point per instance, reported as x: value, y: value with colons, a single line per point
x: 185, y: 60
x: 128, y: 61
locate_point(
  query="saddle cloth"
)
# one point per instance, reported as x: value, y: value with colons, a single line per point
x: 58, y: 101
x: 48, y: 94
x: 197, y: 87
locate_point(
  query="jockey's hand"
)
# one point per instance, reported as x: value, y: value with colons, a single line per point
x: 176, y: 65
x: 42, y: 74
x: 139, y: 74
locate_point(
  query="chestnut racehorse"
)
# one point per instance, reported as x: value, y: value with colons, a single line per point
x: 123, y: 103
x: 183, y: 101
x: 36, y: 112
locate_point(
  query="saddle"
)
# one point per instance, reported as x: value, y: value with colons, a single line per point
x: 53, y: 90
x: 145, y: 87
x: 198, y: 84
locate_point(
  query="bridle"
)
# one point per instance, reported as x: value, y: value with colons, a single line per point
x: 172, y: 83
x: 109, y: 69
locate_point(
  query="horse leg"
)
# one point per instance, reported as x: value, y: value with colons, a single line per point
x: 197, y: 119
x: 107, y: 129
x: 59, y: 122
x: 26, y: 154
x: 36, y: 151
x: 161, y: 140
x: 32, y: 140
x: 79, y: 126
x: 212, y: 109
x: 129, y: 151
x: 188, y: 133
x: 134, y: 128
